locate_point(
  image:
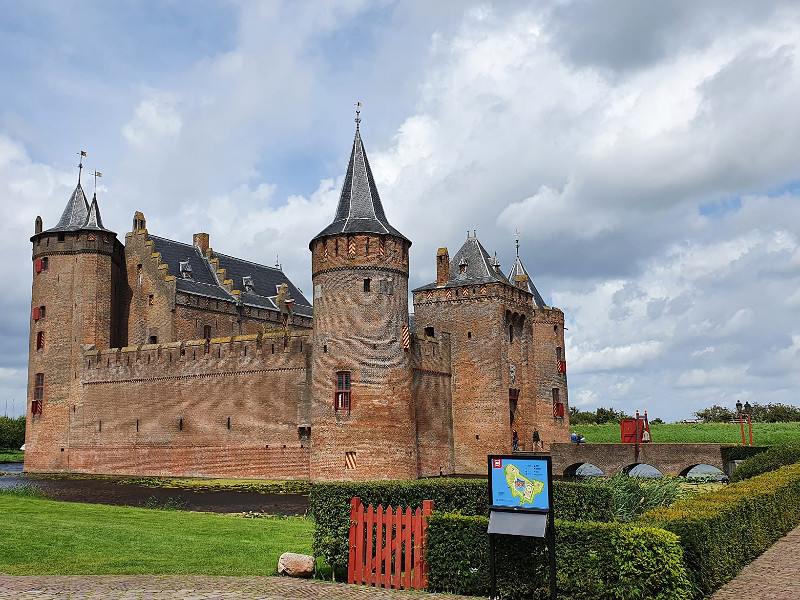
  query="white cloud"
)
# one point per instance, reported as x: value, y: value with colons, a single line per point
x: 156, y: 119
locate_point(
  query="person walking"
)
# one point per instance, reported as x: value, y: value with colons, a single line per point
x: 537, y: 440
x: 515, y: 440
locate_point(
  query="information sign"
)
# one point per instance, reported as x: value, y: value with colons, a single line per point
x: 521, y: 483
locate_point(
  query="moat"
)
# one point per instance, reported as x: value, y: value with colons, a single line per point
x: 104, y: 491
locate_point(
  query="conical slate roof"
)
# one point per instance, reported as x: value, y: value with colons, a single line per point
x: 360, y: 209
x: 93, y: 220
x: 478, y: 267
x: 524, y: 282
x: 75, y: 213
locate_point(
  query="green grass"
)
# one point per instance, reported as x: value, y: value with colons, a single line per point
x: 764, y: 434
x: 11, y: 456
x: 43, y: 537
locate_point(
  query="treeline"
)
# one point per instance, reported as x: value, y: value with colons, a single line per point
x: 766, y: 413
x: 12, y: 433
x: 598, y: 417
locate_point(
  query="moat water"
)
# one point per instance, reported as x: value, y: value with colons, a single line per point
x: 102, y: 491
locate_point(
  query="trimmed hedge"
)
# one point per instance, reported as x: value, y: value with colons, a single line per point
x: 739, y: 452
x: 724, y: 530
x: 329, y: 503
x: 774, y: 458
x: 593, y: 561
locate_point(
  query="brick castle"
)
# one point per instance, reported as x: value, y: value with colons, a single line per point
x: 156, y: 357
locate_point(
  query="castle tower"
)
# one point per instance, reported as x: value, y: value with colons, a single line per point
x: 77, y: 269
x: 363, y: 424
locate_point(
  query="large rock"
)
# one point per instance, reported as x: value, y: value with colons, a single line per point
x: 296, y: 565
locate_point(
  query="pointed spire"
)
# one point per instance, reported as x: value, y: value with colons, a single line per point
x: 519, y: 277
x: 93, y: 220
x: 360, y: 209
x: 75, y: 213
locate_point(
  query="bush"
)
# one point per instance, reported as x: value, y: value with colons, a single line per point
x: 724, y: 530
x: 738, y: 452
x: 329, y: 503
x: 773, y: 458
x: 12, y: 433
x: 593, y: 560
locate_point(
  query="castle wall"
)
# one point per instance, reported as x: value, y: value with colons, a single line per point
x: 432, y: 390
x: 478, y: 319
x: 360, y: 332
x: 226, y: 408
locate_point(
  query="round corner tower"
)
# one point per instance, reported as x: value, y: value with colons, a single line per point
x: 362, y: 408
x: 77, y: 269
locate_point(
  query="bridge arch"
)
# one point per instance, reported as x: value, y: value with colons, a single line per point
x: 572, y: 470
x: 642, y: 469
x: 686, y: 472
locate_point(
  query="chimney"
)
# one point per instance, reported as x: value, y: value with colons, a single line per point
x: 442, y: 267
x: 201, y: 241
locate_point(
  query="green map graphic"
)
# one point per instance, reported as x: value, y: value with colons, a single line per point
x: 522, y: 487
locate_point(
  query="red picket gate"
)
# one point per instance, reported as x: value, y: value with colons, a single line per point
x: 387, y: 548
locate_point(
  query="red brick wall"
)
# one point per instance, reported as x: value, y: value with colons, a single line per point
x: 361, y: 332
x: 163, y: 409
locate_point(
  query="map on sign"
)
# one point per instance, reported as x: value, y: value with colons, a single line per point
x: 519, y: 482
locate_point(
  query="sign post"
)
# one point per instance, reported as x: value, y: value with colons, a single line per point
x: 521, y: 496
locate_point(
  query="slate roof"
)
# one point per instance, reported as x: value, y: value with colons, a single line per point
x: 479, y: 268
x: 204, y: 281
x: 79, y: 215
x: 519, y: 269
x: 360, y: 209
x: 75, y: 213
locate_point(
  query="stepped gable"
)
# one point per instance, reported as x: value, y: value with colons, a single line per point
x: 519, y: 276
x: 204, y: 281
x: 265, y: 283
x: 360, y: 209
x: 75, y: 213
x: 471, y: 265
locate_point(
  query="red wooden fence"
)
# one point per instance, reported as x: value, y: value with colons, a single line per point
x: 387, y: 548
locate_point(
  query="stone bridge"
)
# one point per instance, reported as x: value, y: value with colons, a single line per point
x: 670, y: 459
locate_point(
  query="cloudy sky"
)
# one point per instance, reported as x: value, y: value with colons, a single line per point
x: 648, y: 153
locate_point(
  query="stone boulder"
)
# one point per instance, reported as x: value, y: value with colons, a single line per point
x: 296, y: 565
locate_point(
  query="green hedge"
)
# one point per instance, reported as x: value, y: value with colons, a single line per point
x: 724, y: 530
x: 329, y: 503
x: 730, y: 453
x: 12, y: 433
x: 770, y: 460
x: 593, y: 561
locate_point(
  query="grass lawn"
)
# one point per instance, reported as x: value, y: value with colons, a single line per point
x: 43, y: 537
x: 11, y: 456
x: 764, y: 434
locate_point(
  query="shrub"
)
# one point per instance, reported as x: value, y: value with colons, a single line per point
x: 593, y: 560
x: 738, y: 452
x: 773, y: 458
x: 724, y: 530
x: 12, y: 432
x: 329, y: 503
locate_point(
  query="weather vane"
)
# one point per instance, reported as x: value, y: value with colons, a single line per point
x: 80, y: 165
x: 517, y: 230
x: 358, y: 114
x: 96, y: 175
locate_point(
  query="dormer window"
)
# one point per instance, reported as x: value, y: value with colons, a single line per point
x: 247, y: 283
x: 186, y: 269
x: 462, y: 266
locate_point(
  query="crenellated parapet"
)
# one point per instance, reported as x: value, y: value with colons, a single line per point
x: 197, y: 358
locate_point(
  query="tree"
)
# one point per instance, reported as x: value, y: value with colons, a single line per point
x: 715, y: 414
x: 581, y: 417
x: 609, y: 415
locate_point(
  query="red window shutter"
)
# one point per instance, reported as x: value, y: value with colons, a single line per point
x: 562, y: 366
x: 35, y: 313
x: 37, y: 265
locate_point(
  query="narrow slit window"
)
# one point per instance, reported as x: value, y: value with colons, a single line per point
x: 366, y: 284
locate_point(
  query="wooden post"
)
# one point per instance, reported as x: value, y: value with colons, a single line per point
x: 356, y: 525
x: 427, y: 510
x: 407, y: 563
x: 741, y: 424
x: 750, y: 429
x: 370, y: 561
